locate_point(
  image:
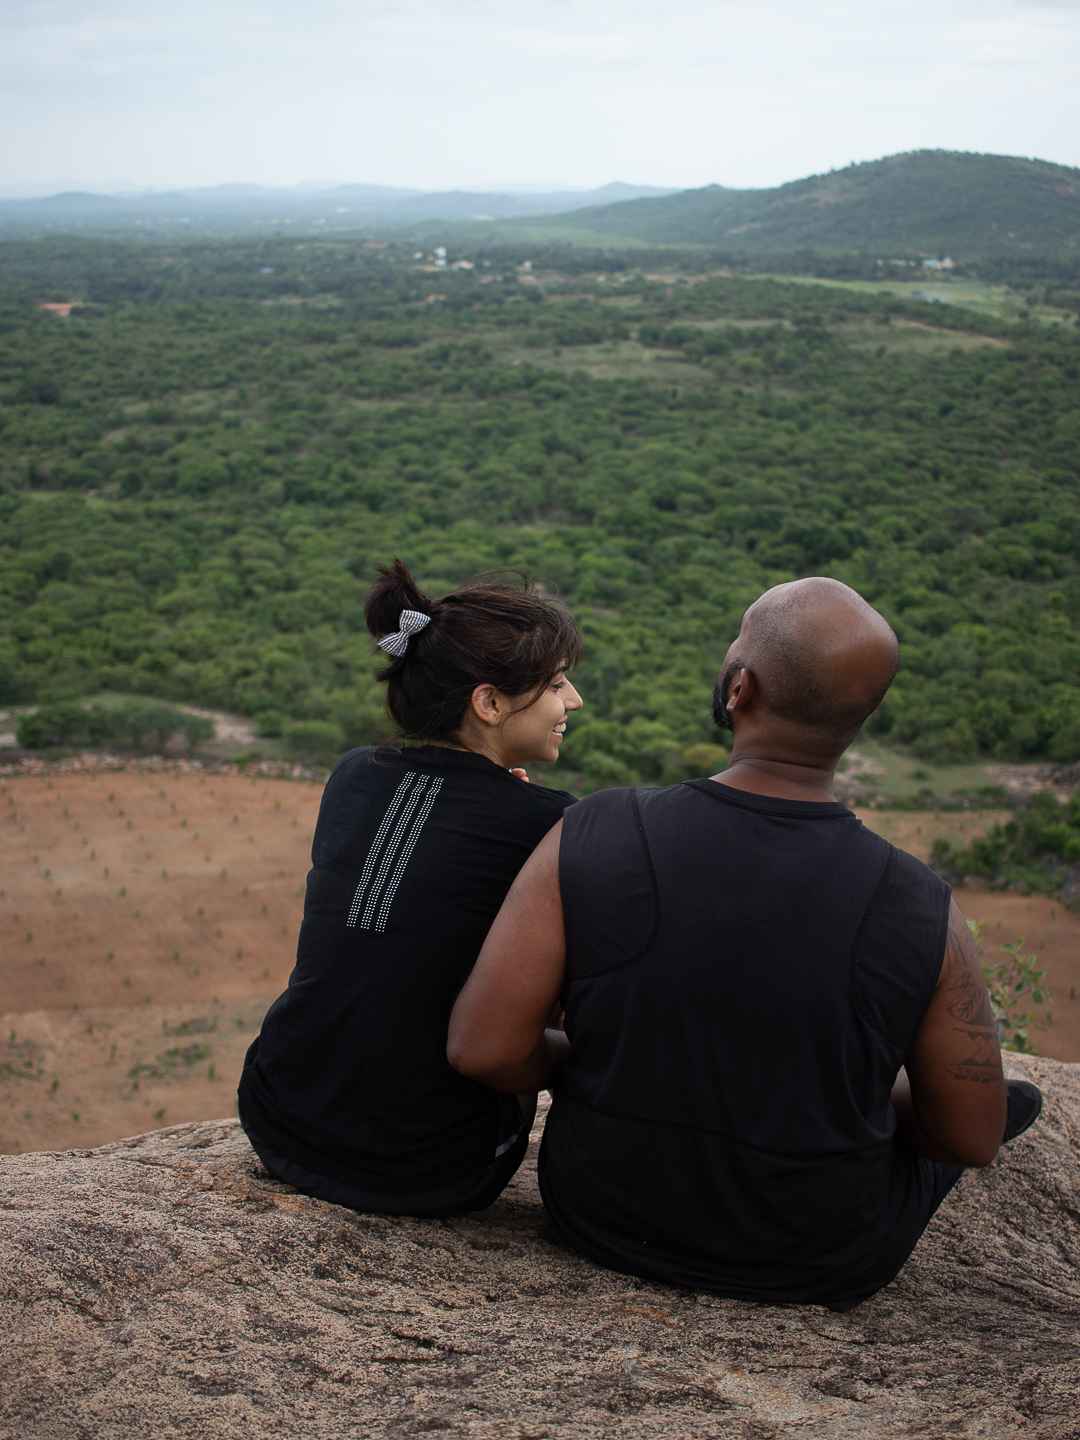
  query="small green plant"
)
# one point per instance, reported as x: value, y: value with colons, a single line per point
x: 176, y: 1060
x: 1017, y: 988
x: 198, y: 1025
x: 24, y: 1062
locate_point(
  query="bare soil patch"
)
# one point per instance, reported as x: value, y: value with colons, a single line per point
x: 146, y: 920
x: 149, y: 916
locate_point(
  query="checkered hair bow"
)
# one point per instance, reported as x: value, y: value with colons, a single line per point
x: 410, y: 622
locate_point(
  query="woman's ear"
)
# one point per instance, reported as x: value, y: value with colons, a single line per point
x: 485, y: 702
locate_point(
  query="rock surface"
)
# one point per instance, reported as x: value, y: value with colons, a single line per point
x: 164, y: 1285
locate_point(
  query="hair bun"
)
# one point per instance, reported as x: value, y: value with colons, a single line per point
x: 394, y: 591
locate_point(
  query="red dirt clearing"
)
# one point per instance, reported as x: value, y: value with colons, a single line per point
x: 146, y: 920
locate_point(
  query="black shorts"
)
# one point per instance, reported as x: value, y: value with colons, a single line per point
x: 473, y: 1192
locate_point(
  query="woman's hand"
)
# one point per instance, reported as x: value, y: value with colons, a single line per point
x: 519, y: 774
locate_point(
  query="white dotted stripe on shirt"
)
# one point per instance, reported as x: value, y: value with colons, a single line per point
x: 404, y: 785
x: 406, y: 854
x: 392, y: 850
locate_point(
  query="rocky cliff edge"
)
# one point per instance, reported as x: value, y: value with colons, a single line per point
x: 165, y: 1285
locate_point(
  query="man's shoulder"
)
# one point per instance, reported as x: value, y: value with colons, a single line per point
x: 910, y: 903
x: 619, y: 796
x: 903, y: 868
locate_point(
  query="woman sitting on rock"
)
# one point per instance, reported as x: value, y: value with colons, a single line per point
x: 346, y: 1092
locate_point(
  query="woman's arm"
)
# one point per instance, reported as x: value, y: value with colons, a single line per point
x: 498, y: 1026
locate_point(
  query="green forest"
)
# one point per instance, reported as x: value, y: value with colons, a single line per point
x: 203, y: 464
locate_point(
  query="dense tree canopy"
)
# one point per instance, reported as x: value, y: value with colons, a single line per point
x: 202, y: 466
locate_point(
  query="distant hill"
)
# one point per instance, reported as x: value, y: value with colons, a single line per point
x: 933, y: 202
x: 926, y: 202
x: 237, y: 207
x: 70, y: 200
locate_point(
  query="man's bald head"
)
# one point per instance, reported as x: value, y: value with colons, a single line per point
x: 820, y: 657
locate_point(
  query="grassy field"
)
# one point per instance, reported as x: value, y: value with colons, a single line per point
x: 615, y: 359
x: 998, y: 302
x: 895, y: 778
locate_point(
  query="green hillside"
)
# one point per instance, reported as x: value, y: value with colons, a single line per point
x: 932, y: 202
x: 202, y: 466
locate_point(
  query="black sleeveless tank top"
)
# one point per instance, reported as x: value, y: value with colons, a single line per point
x: 745, y: 976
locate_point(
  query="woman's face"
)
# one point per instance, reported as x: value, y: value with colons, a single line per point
x: 535, y: 731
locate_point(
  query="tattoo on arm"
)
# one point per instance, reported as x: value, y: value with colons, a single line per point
x: 967, y: 1003
x: 983, y: 1065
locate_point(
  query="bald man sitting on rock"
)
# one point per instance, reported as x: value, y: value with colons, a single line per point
x: 779, y: 1050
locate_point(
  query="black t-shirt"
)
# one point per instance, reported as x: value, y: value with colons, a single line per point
x: 414, y: 851
x: 745, y: 976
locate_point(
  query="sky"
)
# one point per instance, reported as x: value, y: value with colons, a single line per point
x: 484, y: 94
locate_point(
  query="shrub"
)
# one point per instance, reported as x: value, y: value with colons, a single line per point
x: 269, y: 724
x: 144, y: 726
x: 1033, y: 851
x: 63, y: 723
x: 317, y: 741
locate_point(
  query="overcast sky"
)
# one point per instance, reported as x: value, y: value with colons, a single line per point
x: 482, y: 93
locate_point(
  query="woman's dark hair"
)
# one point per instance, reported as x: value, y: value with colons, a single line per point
x: 488, y: 632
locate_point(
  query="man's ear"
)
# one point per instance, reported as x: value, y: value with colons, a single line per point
x: 485, y: 702
x: 742, y: 690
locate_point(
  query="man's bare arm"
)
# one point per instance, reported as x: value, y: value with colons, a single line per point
x: 498, y: 1028
x: 957, y: 1090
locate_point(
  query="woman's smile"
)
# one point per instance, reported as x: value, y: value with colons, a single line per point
x: 535, y: 730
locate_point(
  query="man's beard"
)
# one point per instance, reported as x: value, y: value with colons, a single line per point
x: 720, y: 695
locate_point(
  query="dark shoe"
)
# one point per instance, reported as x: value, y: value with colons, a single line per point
x: 1023, y: 1108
